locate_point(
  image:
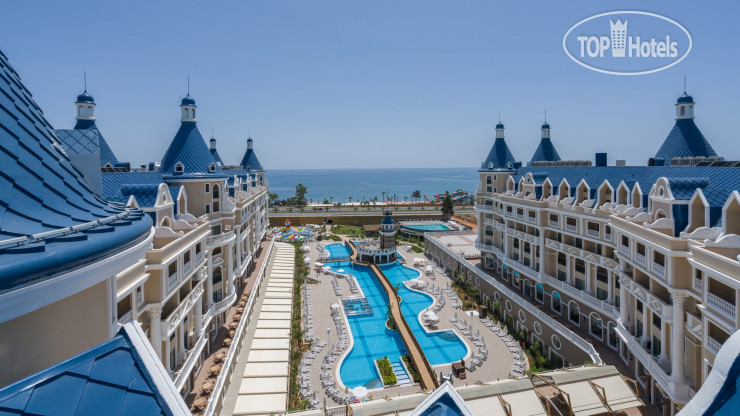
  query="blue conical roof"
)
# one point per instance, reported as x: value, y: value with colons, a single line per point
x: 214, y: 152
x: 41, y: 192
x: 685, y: 140
x: 250, y: 161
x: 189, y: 148
x: 499, y: 157
x: 545, y: 151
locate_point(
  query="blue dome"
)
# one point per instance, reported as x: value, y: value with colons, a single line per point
x: 85, y: 98
x: 685, y: 98
x: 500, y: 126
x: 187, y: 101
x: 387, y: 220
x: 545, y: 126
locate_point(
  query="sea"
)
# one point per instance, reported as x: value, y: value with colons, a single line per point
x: 365, y: 184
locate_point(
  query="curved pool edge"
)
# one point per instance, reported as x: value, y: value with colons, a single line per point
x: 468, y: 350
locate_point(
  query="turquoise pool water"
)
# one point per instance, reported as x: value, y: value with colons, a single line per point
x: 429, y: 227
x: 338, y: 251
x: 373, y: 341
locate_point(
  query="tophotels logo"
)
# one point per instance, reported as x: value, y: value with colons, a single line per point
x: 627, y: 43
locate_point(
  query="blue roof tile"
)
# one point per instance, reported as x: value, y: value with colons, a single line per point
x: 499, y: 157
x: 41, y: 191
x: 250, y: 161
x: 188, y: 148
x: 545, y: 152
x: 684, y: 140
x: 134, y: 183
x: 121, y: 376
x: 86, y: 138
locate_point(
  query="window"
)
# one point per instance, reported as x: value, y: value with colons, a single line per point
x: 179, y: 167
x: 217, y: 275
x: 561, y: 259
x: 555, y: 340
x: 639, y: 306
x: 574, y: 313
x: 656, y: 320
x: 625, y: 241
x: 193, y: 113
x: 208, y: 208
x: 522, y: 316
x: 659, y: 258
x: 539, y: 293
x: 612, y: 335
x: 197, y: 249
x: 596, y: 327
x: 537, y: 327
x: 208, y: 188
x: 580, y: 266
x: 555, y: 302
x: 212, y: 168
x: 508, y: 305
x: 683, y: 110
x: 488, y: 179
x: 186, y: 258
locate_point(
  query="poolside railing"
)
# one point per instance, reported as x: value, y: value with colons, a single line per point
x: 215, y: 402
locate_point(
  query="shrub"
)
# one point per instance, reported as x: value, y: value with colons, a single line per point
x: 386, y: 371
x: 410, y: 366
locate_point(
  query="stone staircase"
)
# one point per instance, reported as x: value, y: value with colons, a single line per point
x: 401, y: 375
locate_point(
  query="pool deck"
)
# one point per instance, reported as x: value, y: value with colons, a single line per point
x: 498, y: 365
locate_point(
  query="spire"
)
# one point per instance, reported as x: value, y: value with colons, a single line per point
x: 500, y: 156
x: 85, y: 105
x: 546, y: 150
x: 187, y: 107
x: 250, y: 161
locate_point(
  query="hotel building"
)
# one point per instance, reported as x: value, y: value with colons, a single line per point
x: 642, y: 260
x: 88, y: 244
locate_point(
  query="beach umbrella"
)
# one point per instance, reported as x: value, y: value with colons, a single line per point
x: 360, y: 392
x: 319, y: 264
x: 336, y: 306
x: 340, y: 271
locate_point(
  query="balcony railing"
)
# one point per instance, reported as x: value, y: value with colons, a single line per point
x: 532, y: 219
x: 592, y: 233
x: 177, y: 315
x: 484, y: 247
x: 648, y: 361
x: 624, y: 249
x: 139, y: 298
x: 658, y: 269
x: 172, y: 280
x: 219, y: 240
x: 574, y: 292
x: 570, y: 227
x: 722, y: 305
x: 608, y: 237
x: 640, y: 258
x: 698, y: 284
x: 181, y: 376
x: 126, y: 317
x: 694, y: 325
x: 554, y: 223
x: 520, y: 216
x: 713, y: 345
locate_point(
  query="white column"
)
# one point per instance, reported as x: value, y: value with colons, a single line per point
x: 568, y: 274
x: 623, y: 304
x: 183, y: 335
x: 588, y: 278
x: 663, y: 340
x: 155, y: 329
x: 167, y: 354
x: 209, y: 281
x: 677, y: 339
x: 198, y: 308
x: 542, y: 254
x: 238, y: 247
x: 610, y: 286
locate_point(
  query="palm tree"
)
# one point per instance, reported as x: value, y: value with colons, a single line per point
x: 406, y: 199
x: 383, y: 196
x: 331, y: 198
x: 350, y: 199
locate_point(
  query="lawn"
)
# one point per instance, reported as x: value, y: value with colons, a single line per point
x: 347, y: 230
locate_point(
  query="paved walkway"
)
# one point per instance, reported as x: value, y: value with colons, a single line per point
x: 223, y: 331
x: 259, y: 383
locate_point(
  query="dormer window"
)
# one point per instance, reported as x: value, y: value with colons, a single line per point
x: 249, y: 167
x: 179, y: 167
x: 683, y: 110
x: 212, y: 168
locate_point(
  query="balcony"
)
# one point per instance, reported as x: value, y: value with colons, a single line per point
x: 570, y: 227
x: 658, y: 269
x: 484, y: 207
x: 593, y: 233
x: 219, y: 240
x: 483, y: 247
x: 175, y: 317
x: 640, y: 258
x: 532, y: 219
x: 698, y: 284
x: 126, y: 318
x: 624, y: 250
x: 694, y: 325
x: 713, y: 345
x: 554, y: 224
x: 172, y: 280
x: 601, y: 305
x: 608, y: 237
x: 727, y: 308
x: 520, y: 216
x: 191, y: 357
x: 139, y: 298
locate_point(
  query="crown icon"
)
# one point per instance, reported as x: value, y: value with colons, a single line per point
x: 619, y: 38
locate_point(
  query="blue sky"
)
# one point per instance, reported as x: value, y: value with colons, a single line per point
x: 366, y: 84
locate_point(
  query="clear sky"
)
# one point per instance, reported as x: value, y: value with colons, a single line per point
x: 366, y: 83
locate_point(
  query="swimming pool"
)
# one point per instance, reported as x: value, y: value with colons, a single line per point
x: 371, y: 338
x: 428, y: 227
x: 338, y: 251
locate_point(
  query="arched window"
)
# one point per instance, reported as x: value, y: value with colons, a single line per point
x: 683, y: 110
x: 539, y: 293
x: 165, y: 222
x: 555, y: 302
x: 216, y: 193
x: 488, y: 180
x: 660, y: 214
x: 574, y: 313
x: 596, y: 327
x: 89, y: 111
x: 193, y: 113
x: 612, y: 335
x: 179, y: 167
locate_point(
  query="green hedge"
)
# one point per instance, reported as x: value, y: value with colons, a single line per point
x: 414, y: 374
x: 386, y: 371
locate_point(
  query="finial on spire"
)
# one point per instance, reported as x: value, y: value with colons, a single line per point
x: 684, y: 83
x: 545, y: 115
x: 84, y: 77
x: 188, y: 85
x: 499, y: 115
